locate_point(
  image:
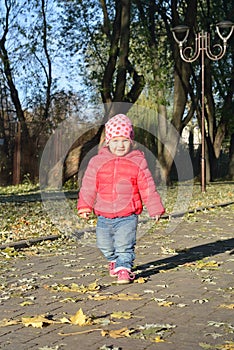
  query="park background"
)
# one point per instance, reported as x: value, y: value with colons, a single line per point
x: 60, y: 59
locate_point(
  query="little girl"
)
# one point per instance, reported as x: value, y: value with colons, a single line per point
x: 115, y: 185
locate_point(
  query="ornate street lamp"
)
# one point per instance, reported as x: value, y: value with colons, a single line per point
x: 188, y: 54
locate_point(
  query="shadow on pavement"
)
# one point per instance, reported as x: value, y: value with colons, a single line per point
x: 193, y: 254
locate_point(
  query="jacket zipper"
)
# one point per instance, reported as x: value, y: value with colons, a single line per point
x: 114, y: 183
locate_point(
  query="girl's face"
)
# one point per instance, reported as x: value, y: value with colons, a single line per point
x: 119, y: 146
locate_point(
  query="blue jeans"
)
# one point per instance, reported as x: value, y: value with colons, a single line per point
x: 116, y: 238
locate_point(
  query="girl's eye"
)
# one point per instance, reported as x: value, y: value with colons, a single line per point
x: 115, y: 142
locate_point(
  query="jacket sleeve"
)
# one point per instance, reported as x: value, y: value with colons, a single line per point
x: 88, y: 190
x: 148, y: 192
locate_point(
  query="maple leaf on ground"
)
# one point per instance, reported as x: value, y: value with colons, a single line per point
x: 80, y: 319
x: 37, y: 321
x: 118, y: 333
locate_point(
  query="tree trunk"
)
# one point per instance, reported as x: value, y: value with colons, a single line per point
x: 27, y: 145
x: 231, y: 159
x: 168, y: 139
x: 114, y: 96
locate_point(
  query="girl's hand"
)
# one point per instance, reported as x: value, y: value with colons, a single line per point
x: 84, y: 213
x: 156, y: 218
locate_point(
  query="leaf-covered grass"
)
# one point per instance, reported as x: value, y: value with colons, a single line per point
x: 25, y: 188
x: 25, y: 220
x: 216, y: 193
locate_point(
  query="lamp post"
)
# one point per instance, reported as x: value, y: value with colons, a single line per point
x: 202, y: 45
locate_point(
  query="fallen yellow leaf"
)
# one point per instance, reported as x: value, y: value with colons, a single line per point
x: 159, y: 339
x: 36, y: 321
x: 165, y: 303
x: 118, y: 333
x: 26, y: 303
x: 140, y: 280
x: 229, y: 346
x: 120, y: 296
x: 104, y: 332
x: 80, y: 332
x: 121, y: 314
x: 201, y: 264
x: 5, y: 322
x: 64, y: 320
x: 92, y: 287
x: 164, y: 271
x: 227, y: 306
x: 74, y: 287
x: 79, y: 318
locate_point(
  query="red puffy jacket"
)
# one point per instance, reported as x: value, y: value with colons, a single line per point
x: 116, y: 186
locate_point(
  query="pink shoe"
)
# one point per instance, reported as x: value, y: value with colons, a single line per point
x: 125, y: 276
x: 112, y: 272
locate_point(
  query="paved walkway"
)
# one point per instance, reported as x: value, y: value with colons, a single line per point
x: 185, y: 303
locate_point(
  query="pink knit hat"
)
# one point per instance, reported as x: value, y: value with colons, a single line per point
x: 119, y: 125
